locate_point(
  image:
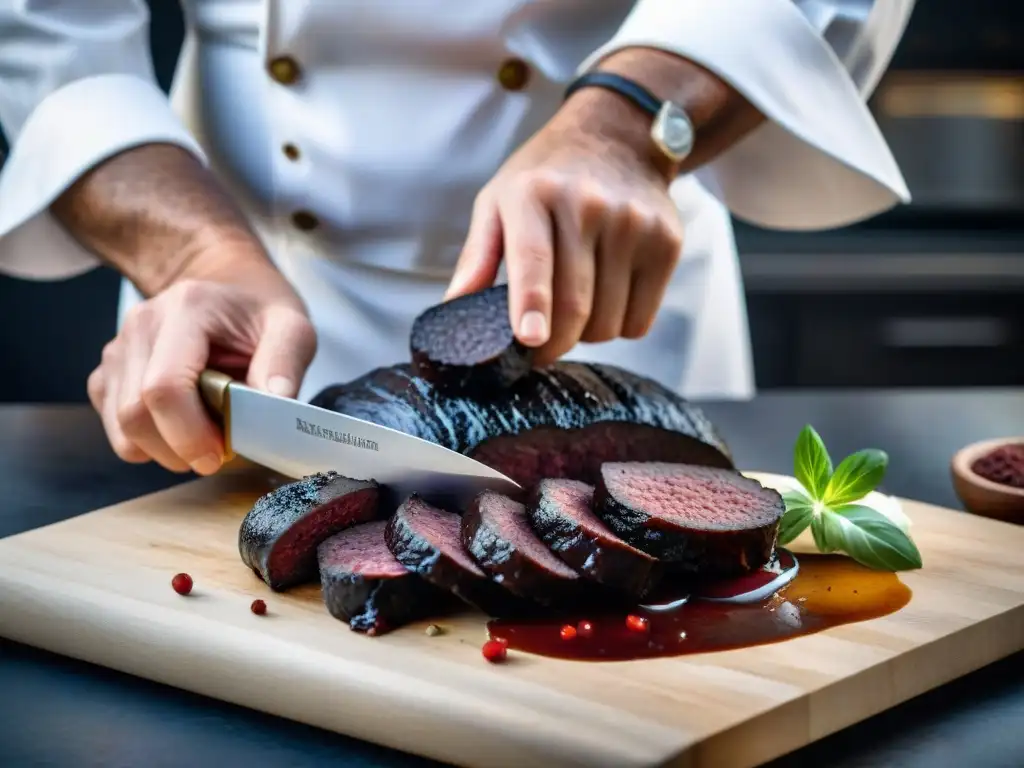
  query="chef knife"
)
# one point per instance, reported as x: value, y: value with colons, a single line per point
x: 296, y: 439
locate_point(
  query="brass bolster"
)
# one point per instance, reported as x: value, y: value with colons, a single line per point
x: 213, y: 386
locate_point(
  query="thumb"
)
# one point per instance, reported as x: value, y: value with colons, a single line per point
x: 284, y: 351
x: 478, y: 263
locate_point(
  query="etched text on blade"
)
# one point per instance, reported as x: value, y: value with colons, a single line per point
x: 298, y: 439
x: 345, y: 438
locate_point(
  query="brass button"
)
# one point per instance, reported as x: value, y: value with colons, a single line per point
x: 514, y: 74
x: 305, y: 221
x: 285, y: 70
x: 290, y: 151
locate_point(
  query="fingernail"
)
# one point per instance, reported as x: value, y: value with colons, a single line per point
x: 533, y: 328
x: 280, y: 386
x: 207, y: 465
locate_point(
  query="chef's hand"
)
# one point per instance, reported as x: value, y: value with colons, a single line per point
x: 145, y: 388
x: 214, y: 300
x: 586, y: 227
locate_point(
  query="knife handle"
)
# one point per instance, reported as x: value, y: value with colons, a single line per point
x: 213, y: 387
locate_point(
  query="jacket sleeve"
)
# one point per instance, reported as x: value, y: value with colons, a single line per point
x: 76, y: 87
x: 819, y: 161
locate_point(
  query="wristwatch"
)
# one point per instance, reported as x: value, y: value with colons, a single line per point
x: 671, y: 132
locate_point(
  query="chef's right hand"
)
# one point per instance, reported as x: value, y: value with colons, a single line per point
x: 145, y: 388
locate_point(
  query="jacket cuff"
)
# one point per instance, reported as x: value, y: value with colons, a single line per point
x: 71, y: 131
x: 820, y: 160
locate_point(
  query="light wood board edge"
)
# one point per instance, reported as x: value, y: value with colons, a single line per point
x: 64, y: 618
x: 788, y: 726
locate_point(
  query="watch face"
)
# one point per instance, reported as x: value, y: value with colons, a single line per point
x: 673, y: 131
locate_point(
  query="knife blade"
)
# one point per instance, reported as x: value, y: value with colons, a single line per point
x: 297, y: 439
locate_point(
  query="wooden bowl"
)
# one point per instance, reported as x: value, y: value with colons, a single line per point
x: 981, y: 496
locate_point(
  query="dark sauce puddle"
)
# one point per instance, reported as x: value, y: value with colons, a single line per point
x: 827, y: 591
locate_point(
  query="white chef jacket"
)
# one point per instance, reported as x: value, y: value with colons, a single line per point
x: 359, y: 172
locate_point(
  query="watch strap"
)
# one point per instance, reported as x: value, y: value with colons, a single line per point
x: 633, y: 91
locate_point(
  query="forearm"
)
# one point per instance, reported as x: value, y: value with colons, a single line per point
x: 157, y: 215
x: 721, y: 116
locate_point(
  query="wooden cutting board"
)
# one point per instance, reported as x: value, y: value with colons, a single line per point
x: 97, y: 587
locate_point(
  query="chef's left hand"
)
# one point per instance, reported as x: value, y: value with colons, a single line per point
x: 584, y: 221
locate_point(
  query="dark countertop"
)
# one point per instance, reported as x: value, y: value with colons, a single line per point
x: 54, y: 463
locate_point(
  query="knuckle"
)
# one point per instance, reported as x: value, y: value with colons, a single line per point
x: 188, y: 292
x: 160, y: 391
x: 127, y: 451
x: 297, y: 319
x: 95, y: 386
x: 543, y: 186
x: 133, y: 416
x: 110, y: 355
x: 294, y: 322
x: 140, y: 315
x: 303, y: 328
x: 664, y: 259
x: 640, y: 218
x: 671, y: 259
x: 592, y: 202
x: 306, y: 337
x: 536, y: 296
x: 482, y: 202
x: 574, y: 307
x: 671, y: 236
x: 299, y: 333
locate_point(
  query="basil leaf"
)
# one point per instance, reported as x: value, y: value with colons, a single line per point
x: 799, y: 511
x: 811, y: 462
x: 856, y: 476
x: 827, y: 529
x: 796, y: 498
x: 872, y: 539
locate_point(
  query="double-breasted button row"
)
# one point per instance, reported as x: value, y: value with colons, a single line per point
x: 286, y: 71
x: 513, y: 74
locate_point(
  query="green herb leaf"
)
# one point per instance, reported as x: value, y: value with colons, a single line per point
x: 811, y: 462
x: 828, y: 531
x: 872, y: 539
x: 855, y: 477
x: 799, y: 511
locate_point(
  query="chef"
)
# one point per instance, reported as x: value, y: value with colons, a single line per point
x: 325, y: 170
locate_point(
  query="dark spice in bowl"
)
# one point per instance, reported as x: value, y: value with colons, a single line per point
x: 1003, y: 465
